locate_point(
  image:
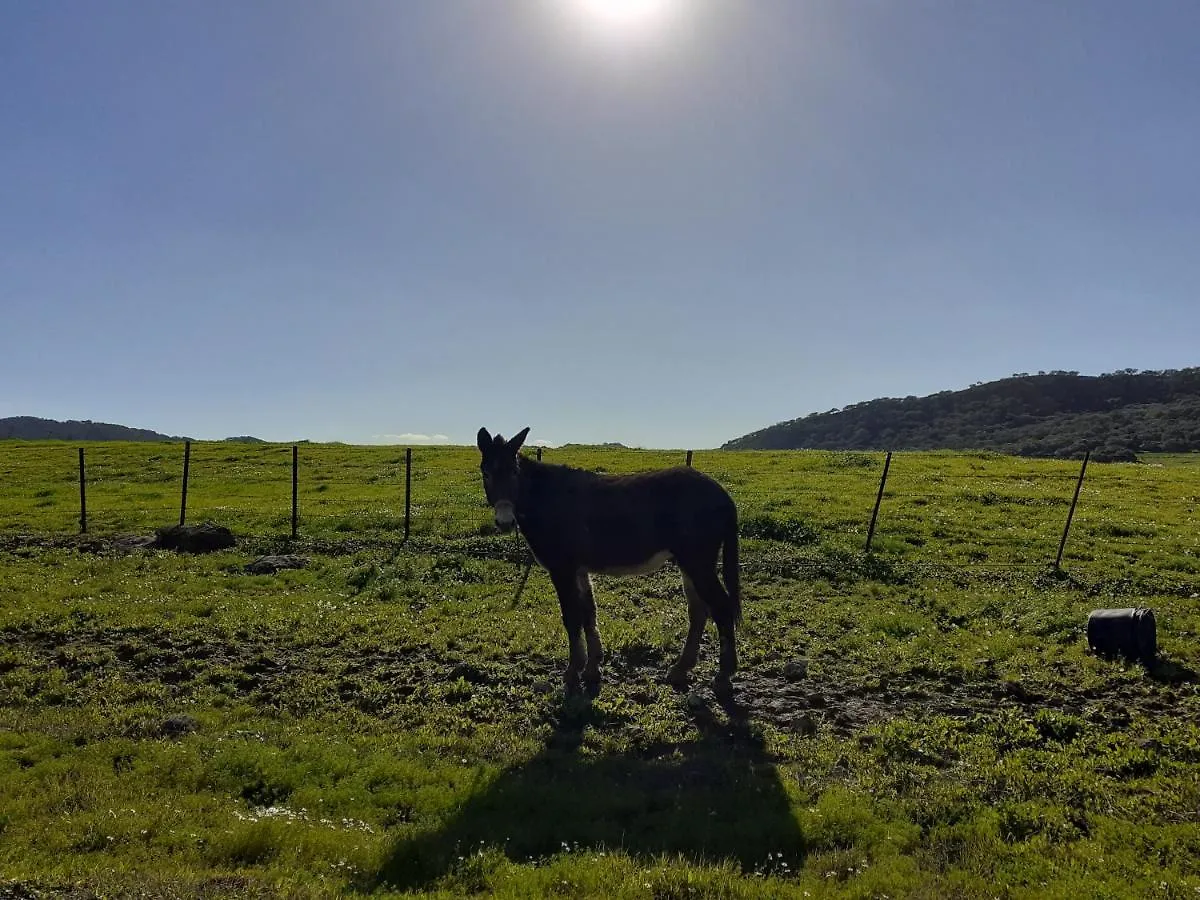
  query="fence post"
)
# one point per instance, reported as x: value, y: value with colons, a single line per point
x: 689, y: 459
x: 1062, y: 545
x: 295, y: 490
x: 187, y: 460
x: 407, y: 492
x: 887, y: 464
x: 539, y: 454
x: 82, y: 495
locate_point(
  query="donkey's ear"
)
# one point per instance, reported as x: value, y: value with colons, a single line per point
x: 517, y: 440
x: 484, y: 440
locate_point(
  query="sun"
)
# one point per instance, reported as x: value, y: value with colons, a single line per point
x: 625, y: 19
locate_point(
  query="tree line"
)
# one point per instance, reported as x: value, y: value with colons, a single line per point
x: 1060, y: 414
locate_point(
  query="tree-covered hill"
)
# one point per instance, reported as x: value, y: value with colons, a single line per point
x: 1059, y: 414
x: 30, y: 428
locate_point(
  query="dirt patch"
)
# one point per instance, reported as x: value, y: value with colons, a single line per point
x: 121, y: 544
x: 265, y: 671
x: 378, y: 681
x: 25, y: 890
x: 213, y: 887
x: 846, y: 705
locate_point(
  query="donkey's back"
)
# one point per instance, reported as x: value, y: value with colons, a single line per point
x: 626, y: 521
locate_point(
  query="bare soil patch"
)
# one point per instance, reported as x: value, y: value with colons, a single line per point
x: 262, y: 669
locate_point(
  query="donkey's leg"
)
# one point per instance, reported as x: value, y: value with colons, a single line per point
x: 595, y: 649
x: 723, y: 615
x: 697, y: 620
x: 566, y: 585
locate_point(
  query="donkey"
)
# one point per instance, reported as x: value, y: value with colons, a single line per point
x: 578, y: 522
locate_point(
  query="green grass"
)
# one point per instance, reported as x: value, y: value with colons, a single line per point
x: 389, y: 720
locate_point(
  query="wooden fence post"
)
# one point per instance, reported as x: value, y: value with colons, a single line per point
x: 187, y: 460
x: 407, y: 492
x: 82, y: 495
x: 689, y: 459
x: 295, y: 490
x: 539, y: 454
x: 1062, y: 545
x: 887, y: 464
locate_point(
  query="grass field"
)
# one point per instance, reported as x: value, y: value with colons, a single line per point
x: 925, y: 721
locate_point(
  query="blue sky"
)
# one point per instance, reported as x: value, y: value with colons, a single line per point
x: 355, y: 219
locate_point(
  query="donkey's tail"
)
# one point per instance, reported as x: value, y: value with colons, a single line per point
x: 733, y: 585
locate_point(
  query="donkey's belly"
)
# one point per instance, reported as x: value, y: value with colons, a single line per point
x: 653, y: 564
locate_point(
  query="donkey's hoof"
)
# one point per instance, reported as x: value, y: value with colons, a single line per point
x: 722, y: 686
x: 592, y: 683
x: 572, y: 687
x: 677, y: 677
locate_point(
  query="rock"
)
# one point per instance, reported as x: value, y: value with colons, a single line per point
x: 796, y: 670
x: 203, y: 538
x: 269, y: 565
x: 133, y: 541
x: 817, y: 701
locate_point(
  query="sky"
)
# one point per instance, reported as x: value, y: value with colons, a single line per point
x: 376, y: 220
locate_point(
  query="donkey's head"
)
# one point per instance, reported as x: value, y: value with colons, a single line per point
x: 501, y: 468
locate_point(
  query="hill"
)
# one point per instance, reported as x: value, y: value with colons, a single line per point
x: 29, y: 428
x: 1056, y: 414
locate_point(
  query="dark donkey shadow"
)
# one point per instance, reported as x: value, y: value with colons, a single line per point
x: 713, y: 799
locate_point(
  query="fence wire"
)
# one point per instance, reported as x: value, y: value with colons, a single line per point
x: 964, y: 509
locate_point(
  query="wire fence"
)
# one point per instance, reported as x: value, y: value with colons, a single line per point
x: 959, y: 508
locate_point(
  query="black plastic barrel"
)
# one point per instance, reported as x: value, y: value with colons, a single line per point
x: 1123, y: 632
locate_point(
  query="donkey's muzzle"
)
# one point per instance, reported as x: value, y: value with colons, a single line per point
x: 506, y: 519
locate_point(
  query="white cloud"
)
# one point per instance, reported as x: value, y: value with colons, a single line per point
x: 409, y: 437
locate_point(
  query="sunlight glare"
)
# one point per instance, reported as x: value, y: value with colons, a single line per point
x: 626, y: 19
